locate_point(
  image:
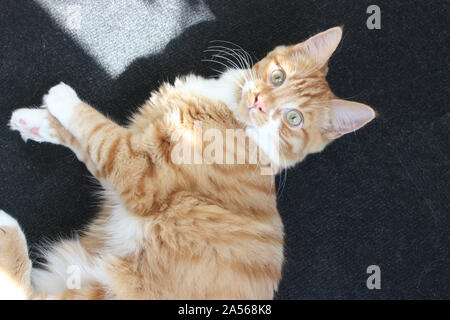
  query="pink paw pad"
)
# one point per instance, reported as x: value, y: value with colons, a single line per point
x: 35, y: 131
x: 22, y: 122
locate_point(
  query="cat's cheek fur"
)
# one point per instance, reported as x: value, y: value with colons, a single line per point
x: 61, y: 101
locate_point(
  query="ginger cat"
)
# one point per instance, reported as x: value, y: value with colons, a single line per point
x: 167, y: 230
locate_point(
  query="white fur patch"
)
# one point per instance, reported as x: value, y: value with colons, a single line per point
x: 67, y: 266
x: 267, y: 138
x: 9, y: 289
x: 69, y: 259
x: 222, y: 89
x: 61, y: 101
x: 33, y: 124
x: 124, y: 230
x: 6, y: 220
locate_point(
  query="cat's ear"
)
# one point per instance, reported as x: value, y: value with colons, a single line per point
x: 320, y: 47
x: 347, y: 116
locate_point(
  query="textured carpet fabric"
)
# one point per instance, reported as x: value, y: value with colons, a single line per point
x: 376, y: 197
x: 115, y: 32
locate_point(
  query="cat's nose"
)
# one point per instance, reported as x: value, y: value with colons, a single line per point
x: 259, y: 104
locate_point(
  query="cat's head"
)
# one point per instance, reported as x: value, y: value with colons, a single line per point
x: 287, y: 100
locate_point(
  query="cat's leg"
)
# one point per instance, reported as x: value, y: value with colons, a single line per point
x: 39, y: 125
x: 115, y: 151
x: 15, y: 265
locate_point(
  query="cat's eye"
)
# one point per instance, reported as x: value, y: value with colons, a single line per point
x: 277, y: 77
x: 294, y: 118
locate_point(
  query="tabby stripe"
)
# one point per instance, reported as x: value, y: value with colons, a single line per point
x: 129, y: 145
x: 95, y: 129
x: 99, y: 149
x: 110, y: 157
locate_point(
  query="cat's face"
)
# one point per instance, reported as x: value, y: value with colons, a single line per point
x: 287, y: 104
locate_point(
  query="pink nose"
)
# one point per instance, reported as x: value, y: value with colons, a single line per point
x: 258, y: 104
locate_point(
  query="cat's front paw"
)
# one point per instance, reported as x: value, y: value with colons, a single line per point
x: 61, y: 101
x: 34, y: 124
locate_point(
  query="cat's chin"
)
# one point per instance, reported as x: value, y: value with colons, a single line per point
x: 248, y: 120
x: 243, y: 113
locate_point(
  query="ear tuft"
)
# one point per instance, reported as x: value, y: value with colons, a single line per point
x: 348, y: 116
x: 320, y: 47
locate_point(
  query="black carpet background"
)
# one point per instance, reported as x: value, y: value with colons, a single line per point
x: 379, y: 196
